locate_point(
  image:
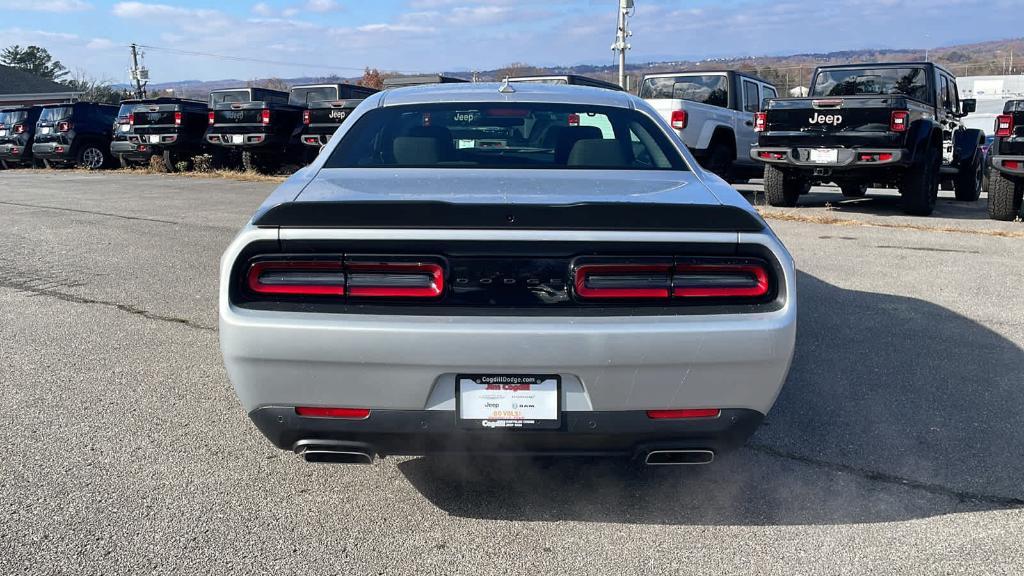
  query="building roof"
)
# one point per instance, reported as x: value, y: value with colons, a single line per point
x: 14, y: 81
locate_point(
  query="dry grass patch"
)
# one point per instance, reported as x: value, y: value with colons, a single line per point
x: 792, y: 216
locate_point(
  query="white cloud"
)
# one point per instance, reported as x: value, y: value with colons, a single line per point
x: 262, y: 9
x: 322, y: 6
x: 100, y: 44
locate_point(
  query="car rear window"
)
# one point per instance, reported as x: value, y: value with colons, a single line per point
x: 12, y: 117
x: 234, y: 96
x: 513, y: 135
x: 911, y: 82
x: 711, y: 89
x: 303, y: 96
x: 55, y: 114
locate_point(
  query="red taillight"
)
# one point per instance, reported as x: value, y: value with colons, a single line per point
x: 177, y: 118
x: 1004, y: 126
x: 64, y: 126
x: 680, y: 119
x: 297, y: 278
x: 684, y: 414
x: 626, y: 281
x: 131, y: 119
x: 882, y: 157
x: 771, y: 155
x: 574, y: 119
x: 370, y: 279
x: 305, y: 117
x: 899, y: 121
x: 265, y: 116
x: 696, y: 280
x: 209, y: 117
x: 1011, y: 164
x: 342, y: 413
x: 760, y: 121
x: 19, y: 128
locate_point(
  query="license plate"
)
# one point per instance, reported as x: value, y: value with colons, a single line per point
x: 124, y: 127
x: 45, y: 130
x: 154, y: 139
x: 237, y: 138
x: 513, y: 401
x: 825, y: 156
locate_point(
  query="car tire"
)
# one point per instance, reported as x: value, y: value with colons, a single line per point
x: 781, y: 189
x: 1004, y: 197
x: 854, y: 190
x: 91, y: 157
x: 719, y: 161
x: 968, y: 183
x: 171, y: 160
x: 920, y: 186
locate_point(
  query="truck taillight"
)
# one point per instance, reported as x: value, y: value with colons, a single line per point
x: 664, y: 280
x: 64, y: 126
x: 760, y: 121
x: 574, y: 119
x: 680, y: 119
x: 177, y: 118
x: 131, y: 119
x: 1004, y: 126
x: 305, y: 117
x: 899, y: 121
x: 265, y: 116
x: 19, y: 128
x: 209, y: 117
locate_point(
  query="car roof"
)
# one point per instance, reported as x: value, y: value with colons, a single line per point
x: 518, y: 92
x: 888, y: 65
x: 726, y: 71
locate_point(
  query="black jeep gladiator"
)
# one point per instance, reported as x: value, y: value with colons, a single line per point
x: 258, y: 122
x: 1006, y: 187
x: 894, y: 124
x: 326, y: 106
x: 404, y: 81
x: 76, y: 134
x: 171, y: 128
x: 17, y: 129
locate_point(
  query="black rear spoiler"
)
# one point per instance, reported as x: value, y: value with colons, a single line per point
x: 445, y: 215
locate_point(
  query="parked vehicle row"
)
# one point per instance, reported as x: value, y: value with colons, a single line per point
x: 1006, y: 188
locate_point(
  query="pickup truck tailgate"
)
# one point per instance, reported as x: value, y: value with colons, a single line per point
x: 844, y: 122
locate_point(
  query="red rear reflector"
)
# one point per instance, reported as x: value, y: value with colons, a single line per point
x: 177, y: 118
x: 884, y: 157
x: 312, y: 140
x: 574, y: 119
x: 680, y: 119
x: 394, y: 279
x: 623, y: 280
x: 297, y: 278
x: 344, y: 413
x: 771, y: 155
x: 1004, y: 126
x: 265, y: 116
x: 899, y: 121
x: 720, y: 281
x: 59, y: 149
x: 760, y: 121
x: 305, y: 117
x: 683, y: 414
x: 1011, y: 164
x: 15, y: 151
x: 209, y: 117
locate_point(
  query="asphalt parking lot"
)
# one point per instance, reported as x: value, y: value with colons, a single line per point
x: 896, y: 447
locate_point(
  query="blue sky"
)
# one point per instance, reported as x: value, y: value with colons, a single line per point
x: 319, y: 37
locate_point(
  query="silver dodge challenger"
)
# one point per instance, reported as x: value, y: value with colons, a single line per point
x: 507, y: 269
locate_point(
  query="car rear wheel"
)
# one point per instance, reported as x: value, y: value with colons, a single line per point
x: 920, y: 185
x: 854, y: 190
x: 781, y: 189
x: 91, y: 157
x: 1004, y: 197
x: 968, y: 182
x: 172, y: 159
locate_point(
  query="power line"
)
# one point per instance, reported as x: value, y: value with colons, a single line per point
x: 304, y: 65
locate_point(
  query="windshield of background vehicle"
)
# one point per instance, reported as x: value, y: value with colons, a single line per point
x: 303, y: 96
x: 235, y: 96
x: 912, y: 82
x: 12, y: 117
x: 712, y: 89
x: 523, y: 136
x: 55, y: 114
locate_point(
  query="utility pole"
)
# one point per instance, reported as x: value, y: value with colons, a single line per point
x: 621, y: 34
x: 138, y: 73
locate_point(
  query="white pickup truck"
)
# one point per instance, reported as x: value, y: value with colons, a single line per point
x: 713, y: 113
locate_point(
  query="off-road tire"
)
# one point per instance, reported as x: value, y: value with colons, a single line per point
x: 854, y: 190
x: 781, y: 189
x: 172, y: 158
x: 967, y: 183
x: 1004, y: 197
x: 920, y: 185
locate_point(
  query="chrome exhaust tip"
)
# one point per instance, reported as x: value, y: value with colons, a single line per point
x: 679, y: 457
x: 329, y: 456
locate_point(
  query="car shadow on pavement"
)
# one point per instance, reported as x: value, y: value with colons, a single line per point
x: 876, y: 203
x: 895, y: 409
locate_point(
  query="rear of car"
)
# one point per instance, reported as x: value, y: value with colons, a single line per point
x: 325, y: 107
x: 1006, y: 185
x: 125, y: 144
x: 17, y: 129
x: 259, y: 124
x: 76, y: 134
x: 172, y: 128
x: 463, y: 270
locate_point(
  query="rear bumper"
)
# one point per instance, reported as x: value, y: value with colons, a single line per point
x: 242, y: 140
x: 848, y: 158
x: 316, y: 138
x: 1000, y: 164
x: 52, y: 151
x: 15, y: 153
x: 131, y: 151
x: 419, y: 432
